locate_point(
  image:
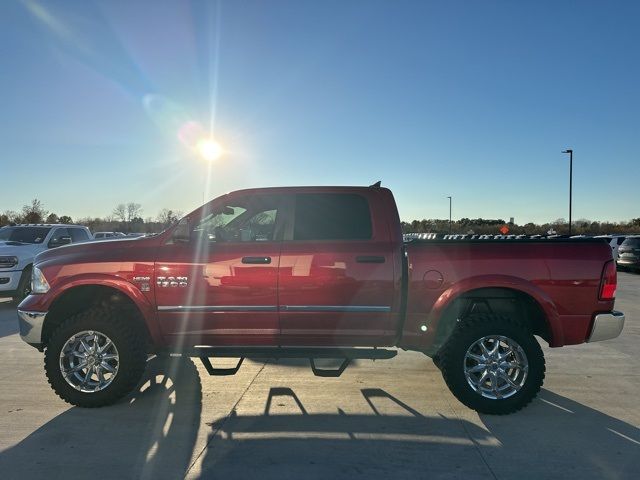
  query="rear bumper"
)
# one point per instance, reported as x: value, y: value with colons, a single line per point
x: 31, y: 326
x: 628, y: 261
x: 606, y: 326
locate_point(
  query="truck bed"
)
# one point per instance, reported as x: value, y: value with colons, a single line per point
x: 562, y: 275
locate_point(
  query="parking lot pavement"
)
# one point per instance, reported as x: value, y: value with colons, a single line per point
x: 388, y: 419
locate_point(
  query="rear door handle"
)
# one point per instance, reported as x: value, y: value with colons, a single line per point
x: 256, y: 260
x: 369, y: 259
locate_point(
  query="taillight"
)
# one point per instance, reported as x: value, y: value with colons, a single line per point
x: 609, y: 282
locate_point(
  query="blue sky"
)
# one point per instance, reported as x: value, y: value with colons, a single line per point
x: 471, y: 99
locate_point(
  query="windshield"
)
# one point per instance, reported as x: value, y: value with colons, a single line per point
x: 631, y: 242
x: 24, y: 234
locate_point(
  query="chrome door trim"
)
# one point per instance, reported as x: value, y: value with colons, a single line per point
x: 218, y: 308
x: 274, y: 308
x: 336, y: 308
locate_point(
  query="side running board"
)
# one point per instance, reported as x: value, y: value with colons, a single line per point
x: 211, y: 370
x: 312, y: 353
x: 322, y: 372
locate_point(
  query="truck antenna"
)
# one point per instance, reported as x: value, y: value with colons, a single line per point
x: 376, y: 185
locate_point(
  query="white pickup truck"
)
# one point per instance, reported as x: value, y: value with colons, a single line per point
x: 19, y: 244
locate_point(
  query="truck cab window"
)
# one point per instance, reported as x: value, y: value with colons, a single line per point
x: 61, y: 236
x: 78, y: 235
x: 246, y: 219
x: 332, y: 217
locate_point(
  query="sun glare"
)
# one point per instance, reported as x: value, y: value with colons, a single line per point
x: 209, y: 149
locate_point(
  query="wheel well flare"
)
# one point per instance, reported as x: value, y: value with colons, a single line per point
x: 84, y: 297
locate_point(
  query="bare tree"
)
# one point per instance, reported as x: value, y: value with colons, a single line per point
x: 120, y: 212
x: 34, y: 213
x: 167, y: 217
x: 8, y: 217
x: 133, y: 210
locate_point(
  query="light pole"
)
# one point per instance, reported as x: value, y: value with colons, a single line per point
x: 570, y: 152
x: 449, y: 214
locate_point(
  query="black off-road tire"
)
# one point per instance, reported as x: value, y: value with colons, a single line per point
x: 125, y: 334
x: 473, y: 328
x: 24, y: 286
x: 437, y: 361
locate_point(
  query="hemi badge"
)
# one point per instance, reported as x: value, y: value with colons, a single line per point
x: 144, y: 286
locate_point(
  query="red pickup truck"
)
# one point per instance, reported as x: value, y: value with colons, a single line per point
x: 315, y: 272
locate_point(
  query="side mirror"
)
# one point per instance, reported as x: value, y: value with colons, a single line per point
x: 180, y: 238
x: 181, y: 233
x: 58, y: 242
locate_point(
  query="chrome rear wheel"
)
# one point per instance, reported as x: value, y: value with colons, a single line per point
x: 493, y: 363
x: 496, y: 367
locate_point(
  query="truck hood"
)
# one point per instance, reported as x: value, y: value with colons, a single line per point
x: 20, y: 250
x: 90, y: 251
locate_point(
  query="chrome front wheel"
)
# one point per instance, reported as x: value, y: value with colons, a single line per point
x: 89, y: 361
x: 96, y: 357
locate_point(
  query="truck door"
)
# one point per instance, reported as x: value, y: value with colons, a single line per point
x: 336, y: 279
x: 216, y: 279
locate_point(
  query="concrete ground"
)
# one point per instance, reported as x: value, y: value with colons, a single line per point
x: 388, y: 419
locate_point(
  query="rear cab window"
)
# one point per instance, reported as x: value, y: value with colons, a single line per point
x: 332, y: 216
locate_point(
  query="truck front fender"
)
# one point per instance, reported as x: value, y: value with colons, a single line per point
x: 44, y: 303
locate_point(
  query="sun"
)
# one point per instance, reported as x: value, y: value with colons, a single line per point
x: 209, y: 149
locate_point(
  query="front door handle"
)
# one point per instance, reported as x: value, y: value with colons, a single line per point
x: 369, y: 259
x: 256, y: 260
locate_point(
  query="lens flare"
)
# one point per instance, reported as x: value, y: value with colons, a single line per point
x: 209, y: 149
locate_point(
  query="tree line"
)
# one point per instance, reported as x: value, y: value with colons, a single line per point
x: 125, y: 218
x: 481, y: 226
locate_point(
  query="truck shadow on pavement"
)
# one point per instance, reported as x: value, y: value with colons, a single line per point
x: 154, y: 434
x: 151, y: 434
x: 554, y: 437
x: 326, y: 445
